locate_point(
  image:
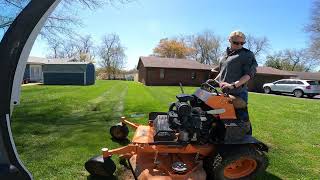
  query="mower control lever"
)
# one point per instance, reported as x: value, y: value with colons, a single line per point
x: 207, y: 83
x: 216, y: 111
x: 213, y: 80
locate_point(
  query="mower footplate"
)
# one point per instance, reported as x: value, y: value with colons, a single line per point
x: 143, y: 134
x: 145, y: 166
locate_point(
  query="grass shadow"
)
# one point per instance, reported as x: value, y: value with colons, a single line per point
x: 268, y: 176
x: 91, y: 177
x: 123, y: 142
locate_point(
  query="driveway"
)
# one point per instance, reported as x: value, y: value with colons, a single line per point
x: 291, y: 95
x: 30, y: 84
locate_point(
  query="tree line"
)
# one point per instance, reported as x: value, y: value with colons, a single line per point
x: 62, y: 39
x: 205, y: 47
x: 110, y: 53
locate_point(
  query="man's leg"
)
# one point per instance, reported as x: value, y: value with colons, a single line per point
x: 243, y: 113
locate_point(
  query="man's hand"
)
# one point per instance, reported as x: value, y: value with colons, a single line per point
x: 225, y: 85
x: 209, y: 80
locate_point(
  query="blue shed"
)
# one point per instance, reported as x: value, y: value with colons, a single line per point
x: 69, y: 73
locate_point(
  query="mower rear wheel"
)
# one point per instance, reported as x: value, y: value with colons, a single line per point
x: 99, y: 166
x: 243, y: 163
x: 119, y: 131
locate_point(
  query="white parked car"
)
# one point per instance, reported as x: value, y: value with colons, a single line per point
x: 297, y: 87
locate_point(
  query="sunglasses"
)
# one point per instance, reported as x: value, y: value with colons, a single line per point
x: 238, y: 43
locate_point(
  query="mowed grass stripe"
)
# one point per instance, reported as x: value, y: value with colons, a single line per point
x: 56, y: 148
x: 290, y: 126
x: 144, y: 99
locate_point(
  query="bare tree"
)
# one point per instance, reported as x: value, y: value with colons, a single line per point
x: 85, y: 49
x: 257, y: 44
x: 69, y: 50
x: 112, y: 55
x: 300, y: 58
x: 62, y: 21
x: 55, y: 49
x: 206, y: 47
x: 291, y: 60
x: 313, y: 28
x: 80, y: 48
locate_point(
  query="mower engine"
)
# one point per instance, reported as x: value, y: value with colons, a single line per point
x: 183, y: 123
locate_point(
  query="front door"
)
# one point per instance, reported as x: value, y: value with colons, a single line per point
x: 35, y: 73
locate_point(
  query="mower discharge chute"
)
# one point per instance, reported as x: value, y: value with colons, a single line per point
x: 199, y: 138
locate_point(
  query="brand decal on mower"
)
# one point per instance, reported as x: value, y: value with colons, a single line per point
x: 142, y: 132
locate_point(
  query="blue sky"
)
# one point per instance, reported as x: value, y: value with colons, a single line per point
x: 142, y: 23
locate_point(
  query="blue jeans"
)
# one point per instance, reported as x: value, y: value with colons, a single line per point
x: 243, y: 114
x: 243, y: 95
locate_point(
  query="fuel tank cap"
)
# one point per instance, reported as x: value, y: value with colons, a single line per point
x: 179, y: 167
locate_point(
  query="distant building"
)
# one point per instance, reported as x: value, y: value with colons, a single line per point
x: 171, y: 71
x: 59, y: 71
x: 307, y: 75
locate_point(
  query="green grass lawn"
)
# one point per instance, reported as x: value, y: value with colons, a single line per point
x: 57, y: 128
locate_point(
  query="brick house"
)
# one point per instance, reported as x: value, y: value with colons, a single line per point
x: 307, y: 75
x: 171, y: 71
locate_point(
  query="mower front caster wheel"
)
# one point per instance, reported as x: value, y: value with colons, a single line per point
x: 99, y: 166
x: 119, y: 131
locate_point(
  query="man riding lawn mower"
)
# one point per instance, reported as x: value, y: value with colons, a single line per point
x: 199, y: 138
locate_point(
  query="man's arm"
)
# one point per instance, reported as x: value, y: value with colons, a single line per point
x: 244, y: 79
x: 236, y: 84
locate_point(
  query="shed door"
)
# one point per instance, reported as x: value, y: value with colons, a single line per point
x: 35, y: 73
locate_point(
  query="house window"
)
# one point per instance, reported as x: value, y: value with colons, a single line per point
x: 161, y: 73
x: 193, y: 75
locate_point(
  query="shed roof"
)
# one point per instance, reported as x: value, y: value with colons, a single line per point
x: 41, y: 60
x: 60, y: 68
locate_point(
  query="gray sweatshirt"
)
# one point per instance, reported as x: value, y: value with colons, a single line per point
x: 235, y: 64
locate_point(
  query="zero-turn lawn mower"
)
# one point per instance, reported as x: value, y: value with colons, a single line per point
x: 199, y: 138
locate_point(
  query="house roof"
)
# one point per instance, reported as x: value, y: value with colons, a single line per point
x: 307, y: 75
x: 41, y: 60
x: 273, y: 71
x: 159, y: 62
x: 36, y: 60
x: 152, y: 61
